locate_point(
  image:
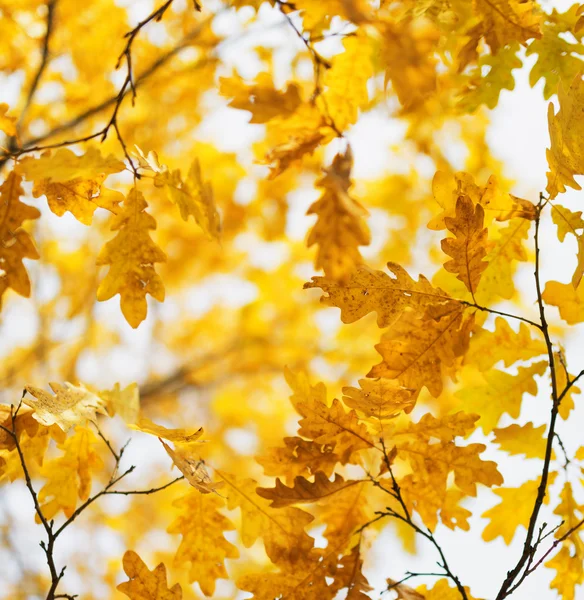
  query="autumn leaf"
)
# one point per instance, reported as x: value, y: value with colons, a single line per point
x: 469, y: 246
x: 124, y: 402
x: 565, y: 155
x: 180, y: 435
x: 65, y: 165
x: 70, y: 405
x: 570, y: 301
x: 340, y: 228
x: 203, y: 547
x: 192, y: 467
x: 145, y: 584
x: 522, y: 439
x: 505, y: 21
x: 15, y: 243
x: 7, y: 124
x: 304, y: 491
x: 514, y: 510
x: 374, y: 291
x: 131, y: 256
x: 379, y: 399
x: 69, y: 476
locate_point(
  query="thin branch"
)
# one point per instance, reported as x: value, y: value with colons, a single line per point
x: 563, y: 448
x: 500, y: 313
x: 528, y: 546
x: 143, y: 492
x: 569, y: 385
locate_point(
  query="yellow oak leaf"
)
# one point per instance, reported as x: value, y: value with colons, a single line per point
x: 571, y: 513
x: 193, y: 196
x: 506, y: 21
x: 487, y: 348
x: 379, y: 398
x: 350, y: 576
x: 299, y: 144
x: 569, y: 222
x: 566, y: 153
x: 441, y: 590
x: 304, y: 491
x: 570, y: 301
x: 124, y: 402
x: 522, y: 439
x: 558, y: 54
x: 282, y: 530
x: 131, y: 256
x: 181, y: 436
x: 81, y: 197
x: 408, y: 49
x: 569, y: 573
x: 65, y: 165
x: 327, y: 425
x: 70, y: 405
x: 469, y: 246
x: 15, y: 243
x: 340, y: 227
x: 69, y: 476
x: 261, y: 99
x: 7, y: 124
x: 497, y: 204
x: 562, y: 377
x: 145, y: 584
x: 445, y: 428
x: 346, y: 81
x: 203, y: 547
x: 420, y: 352
x: 498, y: 392
x: 514, y: 510
x: 192, y: 467
x: 368, y: 291
x: 298, y: 457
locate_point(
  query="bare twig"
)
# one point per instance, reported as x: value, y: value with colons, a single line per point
x: 528, y: 546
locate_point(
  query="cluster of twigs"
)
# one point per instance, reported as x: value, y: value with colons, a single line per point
x: 52, y: 531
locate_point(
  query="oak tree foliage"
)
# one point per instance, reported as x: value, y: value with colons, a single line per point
x: 223, y: 373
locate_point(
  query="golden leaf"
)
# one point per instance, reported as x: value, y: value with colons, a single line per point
x: 374, y: 291
x: 203, y: 547
x: 522, y: 439
x: 304, y: 491
x: 570, y: 301
x: 340, y: 228
x: 15, y: 243
x: 124, y: 402
x: 181, y: 436
x: 70, y: 405
x: 7, y: 124
x: 69, y: 476
x: 566, y: 153
x: 193, y: 468
x: 379, y: 398
x: 131, y: 256
x: 145, y: 584
x: 469, y: 247
x: 65, y: 165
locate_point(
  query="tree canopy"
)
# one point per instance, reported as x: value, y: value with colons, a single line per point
x: 233, y: 367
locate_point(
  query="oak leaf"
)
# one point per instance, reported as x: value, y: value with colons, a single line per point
x: 566, y: 153
x: 522, y: 439
x: 498, y: 393
x: 340, y: 228
x: 203, y: 547
x: 65, y: 165
x: 469, y: 246
x: 570, y: 301
x: 418, y: 352
x: 7, y: 124
x: 131, y: 256
x: 569, y: 573
x: 506, y: 21
x: 70, y: 405
x: 380, y: 399
x: 145, y: 584
x: 192, y: 467
x: 304, y: 491
x: 124, y: 402
x: 487, y: 348
x: 15, y: 243
x: 514, y: 510
x: 368, y: 291
x: 180, y: 435
x: 69, y: 476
